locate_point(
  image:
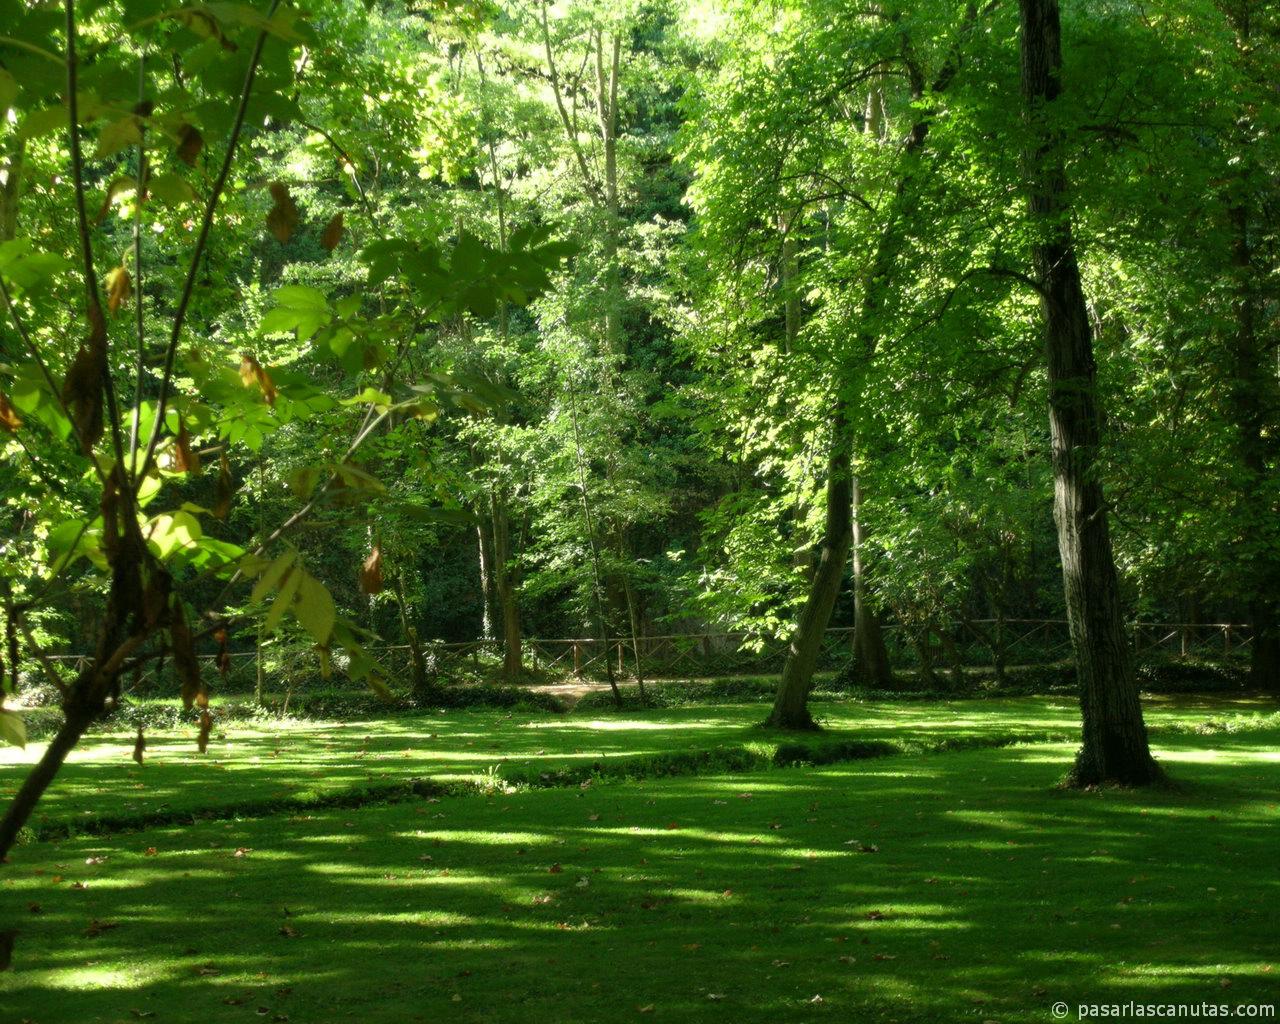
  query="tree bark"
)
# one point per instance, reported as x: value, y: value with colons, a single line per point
x: 484, y: 544
x: 791, y: 704
x: 508, y: 592
x: 422, y: 682
x: 1115, y: 747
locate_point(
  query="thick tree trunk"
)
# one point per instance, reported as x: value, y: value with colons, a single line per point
x: 870, y: 655
x: 1115, y: 745
x: 791, y: 705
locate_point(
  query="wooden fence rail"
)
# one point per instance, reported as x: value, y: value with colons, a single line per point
x: 921, y: 646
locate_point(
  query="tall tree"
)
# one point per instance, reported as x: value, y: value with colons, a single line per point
x: 1114, y: 747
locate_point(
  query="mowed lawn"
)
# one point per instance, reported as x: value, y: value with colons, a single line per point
x: 955, y: 887
x: 300, y: 762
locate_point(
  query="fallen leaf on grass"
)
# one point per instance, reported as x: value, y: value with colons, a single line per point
x: 288, y: 931
x: 97, y: 927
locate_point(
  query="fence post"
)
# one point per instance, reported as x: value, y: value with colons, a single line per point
x: 1226, y: 641
x: 577, y: 659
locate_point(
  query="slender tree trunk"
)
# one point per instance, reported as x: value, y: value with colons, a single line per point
x: 421, y: 681
x: 508, y: 593
x: 484, y: 544
x: 924, y: 651
x: 791, y: 704
x: 1115, y: 745
x: 633, y: 613
x: 870, y: 655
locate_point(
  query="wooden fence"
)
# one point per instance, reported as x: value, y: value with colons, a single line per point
x: 973, y: 643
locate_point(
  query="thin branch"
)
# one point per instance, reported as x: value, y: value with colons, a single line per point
x: 139, y: 323
x: 206, y: 223
x: 587, y: 180
x: 93, y: 300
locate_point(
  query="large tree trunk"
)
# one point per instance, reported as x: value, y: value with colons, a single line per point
x: 870, y: 655
x: 791, y: 705
x: 1115, y: 738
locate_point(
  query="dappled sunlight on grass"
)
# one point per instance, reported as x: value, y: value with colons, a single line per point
x: 303, y: 762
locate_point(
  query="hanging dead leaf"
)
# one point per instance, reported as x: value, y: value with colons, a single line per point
x: 333, y: 232
x: 119, y: 288
x: 139, y: 745
x: 225, y: 491
x: 251, y: 371
x: 283, y: 217
x: 190, y: 143
x: 206, y: 726
x: 371, y: 572
x: 9, y: 418
x: 82, y: 388
x: 224, y: 656
x: 185, y: 458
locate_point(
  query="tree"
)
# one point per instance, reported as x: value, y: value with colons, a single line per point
x: 1114, y: 747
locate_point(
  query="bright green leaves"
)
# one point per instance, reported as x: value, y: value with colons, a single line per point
x: 474, y: 277
x: 28, y: 269
x: 300, y: 310
x: 295, y: 590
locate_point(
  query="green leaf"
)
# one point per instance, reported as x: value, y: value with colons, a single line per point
x: 13, y: 729
x: 40, y: 123
x: 8, y: 90
x: 288, y: 590
x: 315, y: 609
x: 171, y: 189
x: 271, y: 577
x: 118, y: 135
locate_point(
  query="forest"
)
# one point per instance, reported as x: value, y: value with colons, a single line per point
x: 793, y: 484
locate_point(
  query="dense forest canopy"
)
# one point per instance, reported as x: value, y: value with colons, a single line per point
x: 350, y: 324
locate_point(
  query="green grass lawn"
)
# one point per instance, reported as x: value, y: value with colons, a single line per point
x: 299, y: 762
x: 958, y: 887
